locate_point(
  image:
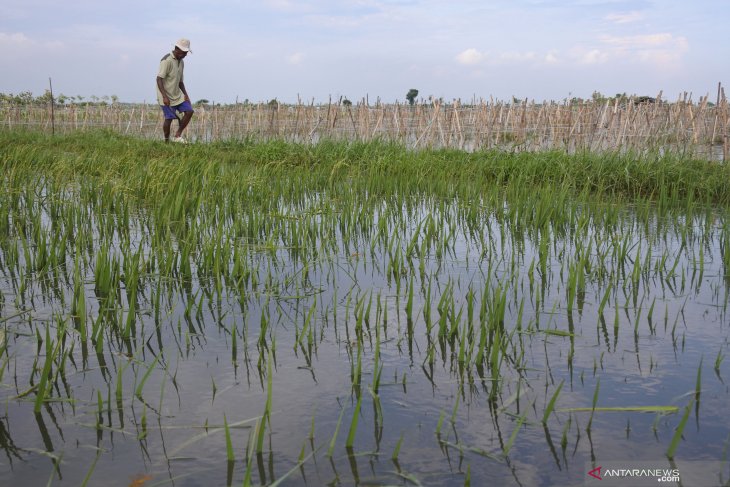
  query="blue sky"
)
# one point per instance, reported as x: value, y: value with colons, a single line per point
x: 314, y: 50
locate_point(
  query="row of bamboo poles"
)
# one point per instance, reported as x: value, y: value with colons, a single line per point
x: 698, y: 129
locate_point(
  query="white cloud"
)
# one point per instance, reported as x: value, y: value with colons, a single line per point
x: 284, y: 5
x: 649, y: 41
x: 333, y: 21
x: 295, y: 58
x: 17, y: 44
x: 470, y: 56
x: 520, y: 57
x: 662, y: 49
x: 593, y: 56
x: 625, y: 17
x: 14, y: 38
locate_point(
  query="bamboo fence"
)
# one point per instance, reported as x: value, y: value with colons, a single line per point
x: 699, y: 129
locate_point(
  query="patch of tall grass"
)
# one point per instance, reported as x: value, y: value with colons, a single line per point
x: 158, y: 173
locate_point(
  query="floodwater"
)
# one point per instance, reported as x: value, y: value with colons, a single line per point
x: 642, y: 322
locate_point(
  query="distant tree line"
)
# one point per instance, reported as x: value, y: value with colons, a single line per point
x: 27, y: 98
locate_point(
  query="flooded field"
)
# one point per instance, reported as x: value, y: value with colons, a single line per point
x: 232, y: 315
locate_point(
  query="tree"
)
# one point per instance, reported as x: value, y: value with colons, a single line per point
x: 44, y: 98
x: 347, y: 102
x: 411, y: 95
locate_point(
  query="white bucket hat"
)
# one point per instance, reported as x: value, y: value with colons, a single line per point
x: 184, y: 45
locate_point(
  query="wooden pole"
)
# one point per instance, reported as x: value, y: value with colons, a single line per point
x: 724, y: 125
x: 53, y: 117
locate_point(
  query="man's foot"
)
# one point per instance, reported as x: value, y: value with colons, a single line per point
x: 179, y: 140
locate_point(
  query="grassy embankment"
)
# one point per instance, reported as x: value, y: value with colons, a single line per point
x: 153, y: 172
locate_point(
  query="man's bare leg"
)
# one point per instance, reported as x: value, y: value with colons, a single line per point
x: 183, y: 123
x: 166, y: 129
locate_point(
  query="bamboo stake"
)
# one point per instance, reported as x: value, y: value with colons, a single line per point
x: 53, y: 115
x: 725, y: 127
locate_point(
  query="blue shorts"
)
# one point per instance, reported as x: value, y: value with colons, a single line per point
x: 169, y: 111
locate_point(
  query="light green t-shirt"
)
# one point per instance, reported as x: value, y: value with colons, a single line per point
x: 171, y: 72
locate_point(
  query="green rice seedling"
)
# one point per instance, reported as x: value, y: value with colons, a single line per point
x: 698, y: 382
x: 331, y: 448
x: 454, y: 319
x: 140, y: 386
x: 99, y: 410
x: 482, y: 343
x: 306, y: 325
x: 427, y: 309
x: 301, y: 461
x: 311, y: 430
x: 87, y: 477
x: 396, y: 450
x: 564, y: 437
x: 143, y: 434
x: 678, y: 432
x: 264, y: 327
x: 266, y: 418
x: 462, y: 345
x: 249, y: 459
x: 43, y: 386
x: 78, y: 308
x: 572, y: 287
x: 440, y: 423
x: 551, y: 404
x: 604, y: 300
x: 443, y: 309
x: 357, y: 373
x: 230, y: 456
x: 234, y: 344
x: 650, y: 315
x: 718, y: 361
x: 409, y: 303
x: 455, y: 410
x: 377, y: 365
x: 508, y: 446
x: 495, y: 361
x: 595, y: 401
x: 302, y: 452
x: 353, y: 424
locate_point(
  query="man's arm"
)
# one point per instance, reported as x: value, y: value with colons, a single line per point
x: 182, y: 87
x: 161, y: 87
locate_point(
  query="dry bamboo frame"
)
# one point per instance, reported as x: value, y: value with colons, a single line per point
x: 681, y: 126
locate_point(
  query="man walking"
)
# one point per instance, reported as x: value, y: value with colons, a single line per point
x: 171, y: 93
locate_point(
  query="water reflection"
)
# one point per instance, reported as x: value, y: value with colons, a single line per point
x: 456, y: 329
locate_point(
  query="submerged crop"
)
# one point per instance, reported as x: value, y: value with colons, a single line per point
x: 262, y: 312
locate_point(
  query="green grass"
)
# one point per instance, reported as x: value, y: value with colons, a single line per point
x: 153, y: 171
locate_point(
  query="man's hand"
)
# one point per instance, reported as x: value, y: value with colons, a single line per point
x: 165, y: 100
